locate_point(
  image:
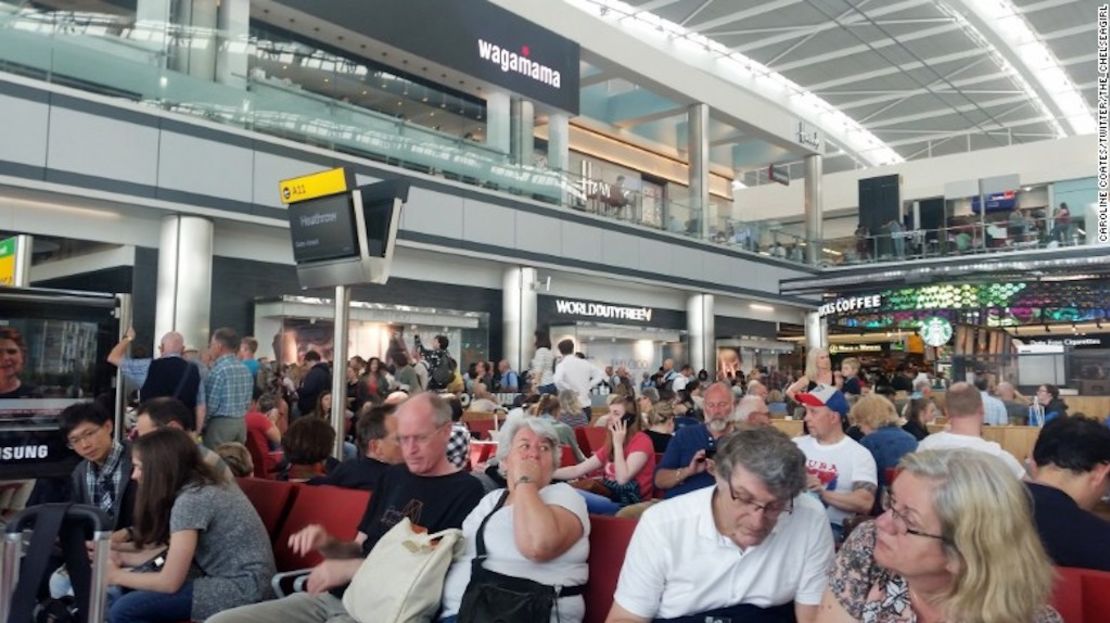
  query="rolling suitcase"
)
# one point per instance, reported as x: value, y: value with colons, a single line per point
x: 21, y: 574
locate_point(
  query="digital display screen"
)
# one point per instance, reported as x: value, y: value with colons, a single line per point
x: 46, y: 364
x: 379, y: 214
x: 323, y: 229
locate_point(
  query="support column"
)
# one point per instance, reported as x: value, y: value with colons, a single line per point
x: 522, y: 121
x: 154, y: 17
x: 233, y: 20
x: 701, y: 332
x: 184, y: 279
x: 16, y: 251
x: 193, y: 47
x: 498, y: 127
x: 814, y: 211
x: 558, y: 141
x: 196, y: 56
x: 817, y: 331
x: 518, y: 313
x: 697, y: 138
x: 339, y: 367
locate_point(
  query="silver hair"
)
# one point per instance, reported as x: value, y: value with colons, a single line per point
x: 539, y: 425
x: 746, y: 406
x: 768, y: 454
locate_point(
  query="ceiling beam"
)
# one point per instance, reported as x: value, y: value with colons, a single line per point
x: 987, y: 128
x: 897, y: 7
x: 655, y: 4
x: 942, y: 112
x: 695, y: 12
x: 724, y: 20
x: 905, y: 93
x: 1045, y: 5
x: 897, y: 69
x: 869, y: 47
x: 902, y: 22
x: 1001, y: 34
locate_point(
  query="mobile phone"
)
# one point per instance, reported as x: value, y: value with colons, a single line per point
x: 628, y: 419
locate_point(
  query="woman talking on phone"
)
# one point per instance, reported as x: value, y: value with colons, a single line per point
x: 203, y: 548
x: 627, y: 462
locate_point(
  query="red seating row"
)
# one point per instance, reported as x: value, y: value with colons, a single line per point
x: 1081, y: 595
x: 285, y: 508
x: 590, y: 438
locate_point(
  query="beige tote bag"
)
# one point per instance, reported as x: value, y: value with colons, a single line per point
x: 401, y: 581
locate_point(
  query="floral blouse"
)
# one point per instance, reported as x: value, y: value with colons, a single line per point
x: 872, y: 594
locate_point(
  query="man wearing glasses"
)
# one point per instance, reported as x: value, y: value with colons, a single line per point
x: 103, y: 478
x: 750, y: 548
x: 425, y: 488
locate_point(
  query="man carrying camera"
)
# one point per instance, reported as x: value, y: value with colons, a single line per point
x: 683, y: 467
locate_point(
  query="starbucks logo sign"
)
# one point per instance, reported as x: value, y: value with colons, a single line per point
x: 936, y: 331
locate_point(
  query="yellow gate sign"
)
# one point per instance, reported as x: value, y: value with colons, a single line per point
x: 316, y: 185
x: 7, y: 262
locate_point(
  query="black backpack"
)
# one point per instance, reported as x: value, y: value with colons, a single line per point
x: 444, y: 373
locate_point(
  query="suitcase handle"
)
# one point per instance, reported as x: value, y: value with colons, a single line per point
x: 11, y: 546
x: 99, y: 520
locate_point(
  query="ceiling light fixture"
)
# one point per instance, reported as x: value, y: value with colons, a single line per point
x: 1005, y: 22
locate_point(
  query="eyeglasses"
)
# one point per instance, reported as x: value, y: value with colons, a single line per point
x: 770, y: 510
x: 902, y: 525
x: 418, y: 439
x: 75, y: 440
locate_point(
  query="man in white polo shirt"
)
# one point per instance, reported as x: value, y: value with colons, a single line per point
x: 751, y: 547
x: 841, y: 472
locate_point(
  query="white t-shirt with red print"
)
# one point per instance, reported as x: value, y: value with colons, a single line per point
x: 839, y: 466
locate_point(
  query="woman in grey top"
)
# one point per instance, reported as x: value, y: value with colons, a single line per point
x: 216, y: 551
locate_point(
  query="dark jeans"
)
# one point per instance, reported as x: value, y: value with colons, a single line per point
x: 143, y: 606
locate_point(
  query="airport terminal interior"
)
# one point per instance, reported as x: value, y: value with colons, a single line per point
x: 573, y: 310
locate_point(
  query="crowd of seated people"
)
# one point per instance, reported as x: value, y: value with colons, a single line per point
x: 773, y: 509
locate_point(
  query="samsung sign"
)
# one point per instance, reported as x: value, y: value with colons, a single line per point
x: 474, y: 37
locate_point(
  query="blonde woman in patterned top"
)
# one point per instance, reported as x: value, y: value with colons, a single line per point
x: 955, y: 545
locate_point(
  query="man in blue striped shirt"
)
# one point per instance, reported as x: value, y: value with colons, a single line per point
x: 227, y: 390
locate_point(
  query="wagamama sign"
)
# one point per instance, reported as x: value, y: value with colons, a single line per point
x: 600, y: 310
x: 519, y: 63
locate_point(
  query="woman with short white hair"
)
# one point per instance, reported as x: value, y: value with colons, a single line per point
x: 534, y: 531
x: 956, y: 544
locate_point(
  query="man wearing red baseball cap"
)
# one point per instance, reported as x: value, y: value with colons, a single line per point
x: 840, y: 471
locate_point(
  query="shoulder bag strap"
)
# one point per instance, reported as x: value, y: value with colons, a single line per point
x: 189, y: 367
x: 480, y: 538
